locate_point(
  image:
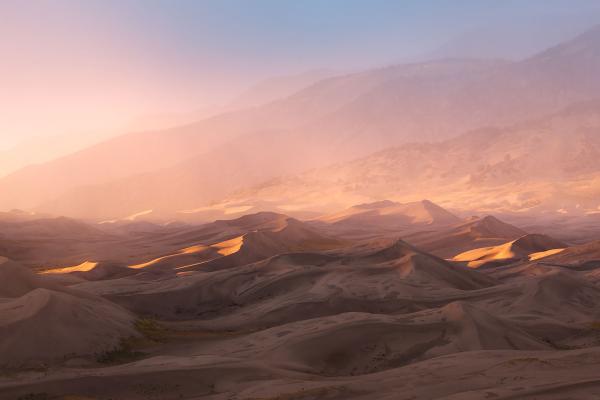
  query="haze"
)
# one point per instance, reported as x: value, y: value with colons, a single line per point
x: 99, y: 68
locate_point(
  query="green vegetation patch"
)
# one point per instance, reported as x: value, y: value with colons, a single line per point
x: 151, y: 330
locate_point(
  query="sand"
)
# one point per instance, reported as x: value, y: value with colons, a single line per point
x: 269, y: 307
x: 43, y: 322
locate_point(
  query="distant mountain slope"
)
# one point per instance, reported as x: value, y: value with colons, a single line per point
x: 551, y: 164
x: 279, y: 87
x: 334, y: 120
x: 312, y: 128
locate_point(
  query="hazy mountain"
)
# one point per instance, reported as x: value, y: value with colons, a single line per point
x: 520, y: 40
x: 279, y: 87
x: 335, y: 120
x: 43, y: 149
x: 551, y: 164
x: 259, y: 94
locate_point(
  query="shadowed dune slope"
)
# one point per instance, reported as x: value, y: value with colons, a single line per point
x: 356, y: 343
x: 387, y: 217
x: 42, y: 321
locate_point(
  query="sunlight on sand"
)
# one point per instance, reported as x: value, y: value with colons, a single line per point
x: 544, y: 254
x: 223, y: 248
x: 229, y: 246
x: 516, y: 249
x: 83, y: 267
x: 188, y: 250
x: 478, y: 257
x: 193, y: 249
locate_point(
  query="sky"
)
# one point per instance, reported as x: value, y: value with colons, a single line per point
x: 71, y: 68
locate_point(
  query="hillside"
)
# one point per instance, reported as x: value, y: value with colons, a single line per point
x: 334, y: 120
x: 549, y: 164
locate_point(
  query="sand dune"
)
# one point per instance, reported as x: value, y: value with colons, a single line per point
x: 276, y: 299
x: 18, y: 281
x: 559, y: 295
x: 41, y: 321
x: 578, y: 256
x: 387, y: 217
x: 287, y: 236
x: 476, y: 233
x: 528, y: 247
x: 504, y: 374
x: 356, y: 344
x: 298, y: 286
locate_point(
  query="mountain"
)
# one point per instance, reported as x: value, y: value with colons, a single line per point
x: 279, y: 87
x: 296, y: 133
x: 261, y: 93
x: 334, y: 120
x: 105, y: 162
x: 537, y: 166
x: 39, y: 150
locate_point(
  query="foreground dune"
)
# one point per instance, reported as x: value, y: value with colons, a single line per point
x: 43, y: 322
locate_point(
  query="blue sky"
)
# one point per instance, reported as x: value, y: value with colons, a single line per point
x: 95, y: 64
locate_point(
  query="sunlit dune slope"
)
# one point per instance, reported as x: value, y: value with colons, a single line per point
x: 522, y: 248
x: 253, y: 246
x: 473, y: 234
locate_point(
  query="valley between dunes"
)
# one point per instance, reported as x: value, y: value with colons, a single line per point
x: 265, y: 306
